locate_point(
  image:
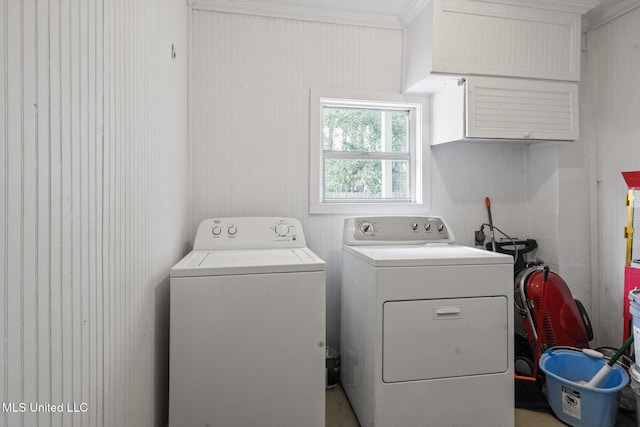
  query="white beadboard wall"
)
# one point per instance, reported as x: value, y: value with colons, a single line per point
x: 93, y: 206
x: 251, y: 77
x: 558, y: 212
x: 613, y: 64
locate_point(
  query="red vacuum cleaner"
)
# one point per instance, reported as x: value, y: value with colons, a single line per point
x: 550, y: 315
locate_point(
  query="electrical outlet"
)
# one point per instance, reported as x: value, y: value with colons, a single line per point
x: 479, y: 237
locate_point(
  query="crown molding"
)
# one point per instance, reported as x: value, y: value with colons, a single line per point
x: 301, y: 13
x: 607, y: 12
x: 574, y: 6
x: 600, y: 12
x: 412, y: 10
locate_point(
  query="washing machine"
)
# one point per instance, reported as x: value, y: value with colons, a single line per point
x: 426, y: 326
x: 247, y: 327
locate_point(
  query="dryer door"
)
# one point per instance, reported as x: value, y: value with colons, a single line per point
x: 441, y: 338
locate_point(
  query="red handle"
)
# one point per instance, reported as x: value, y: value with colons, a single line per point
x: 487, y: 202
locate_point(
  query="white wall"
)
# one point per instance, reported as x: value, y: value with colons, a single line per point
x: 250, y: 142
x: 613, y: 52
x: 93, y: 178
x: 557, y: 212
x: 574, y: 223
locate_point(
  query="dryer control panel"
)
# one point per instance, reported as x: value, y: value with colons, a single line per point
x: 396, y: 230
x: 249, y: 233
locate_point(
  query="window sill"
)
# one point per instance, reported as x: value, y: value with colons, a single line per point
x: 367, y: 208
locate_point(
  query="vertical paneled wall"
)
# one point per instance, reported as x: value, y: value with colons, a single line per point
x: 93, y: 184
x: 250, y: 145
x: 463, y: 174
x: 251, y: 81
x: 613, y: 64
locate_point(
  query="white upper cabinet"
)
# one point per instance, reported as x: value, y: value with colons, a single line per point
x: 489, y: 108
x: 472, y: 37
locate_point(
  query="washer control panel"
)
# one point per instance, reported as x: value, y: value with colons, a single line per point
x: 249, y: 232
x: 396, y: 230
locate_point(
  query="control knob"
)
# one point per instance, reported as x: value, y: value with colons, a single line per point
x: 366, y: 228
x: 427, y: 227
x: 414, y: 226
x: 232, y: 230
x: 440, y: 227
x: 216, y: 230
x: 281, y: 230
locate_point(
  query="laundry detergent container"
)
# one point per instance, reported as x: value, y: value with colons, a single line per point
x: 580, y: 405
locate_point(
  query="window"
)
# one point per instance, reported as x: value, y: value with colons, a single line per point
x: 366, y: 154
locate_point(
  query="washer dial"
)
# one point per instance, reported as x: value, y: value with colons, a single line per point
x: 281, y: 230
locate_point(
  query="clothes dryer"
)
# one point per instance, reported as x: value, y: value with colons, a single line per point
x: 426, y: 326
x: 247, y: 328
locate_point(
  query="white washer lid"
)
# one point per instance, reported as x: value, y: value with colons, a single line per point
x: 247, y: 261
x: 426, y: 255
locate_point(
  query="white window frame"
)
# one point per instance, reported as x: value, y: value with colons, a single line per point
x: 418, y: 150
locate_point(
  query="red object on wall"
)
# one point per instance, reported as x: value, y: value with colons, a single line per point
x: 631, y: 273
x: 632, y: 179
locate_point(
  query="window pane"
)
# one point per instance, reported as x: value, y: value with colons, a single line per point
x: 369, y: 130
x: 400, y: 131
x: 366, y: 179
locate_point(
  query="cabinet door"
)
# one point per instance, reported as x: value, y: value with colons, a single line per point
x: 500, y: 108
x: 477, y: 37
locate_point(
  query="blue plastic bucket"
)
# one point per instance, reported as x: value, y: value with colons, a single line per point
x: 634, y: 309
x: 579, y: 405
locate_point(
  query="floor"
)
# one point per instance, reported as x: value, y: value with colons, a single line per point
x: 339, y: 414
